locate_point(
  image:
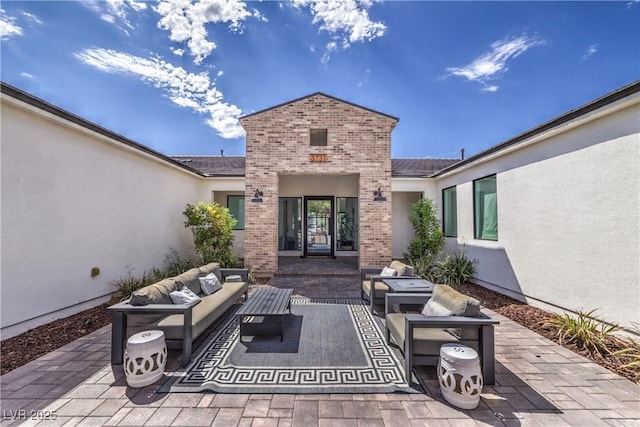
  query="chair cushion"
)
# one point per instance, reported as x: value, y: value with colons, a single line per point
x: 190, y: 280
x: 381, y: 288
x: 402, y: 268
x: 459, y: 304
x: 426, y: 341
x: 158, y: 293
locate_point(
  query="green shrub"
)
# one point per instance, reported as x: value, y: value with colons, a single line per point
x: 175, y: 264
x: 212, y: 229
x: 426, y: 267
x: 455, y: 269
x: 129, y: 283
x: 429, y: 239
x: 584, y: 330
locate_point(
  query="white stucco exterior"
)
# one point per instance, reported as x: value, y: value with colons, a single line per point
x: 72, y: 200
x: 568, y: 209
x: 568, y: 215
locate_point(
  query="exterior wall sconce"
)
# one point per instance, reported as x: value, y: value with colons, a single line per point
x: 378, y: 196
x: 257, y: 196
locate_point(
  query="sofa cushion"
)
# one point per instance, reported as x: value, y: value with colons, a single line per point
x: 426, y: 341
x: 459, y: 304
x: 233, y: 278
x: 190, y: 280
x: 381, y: 288
x: 184, y: 296
x: 204, y: 314
x: 212, y: 267
x: 158, y: 293
x: 209, y: 284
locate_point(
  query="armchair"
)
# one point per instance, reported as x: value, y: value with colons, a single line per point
x: 420, y: 337
x: 373, y: 289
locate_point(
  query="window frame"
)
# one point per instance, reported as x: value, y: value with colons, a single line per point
x: 318, y: 131
x: 444, y: 211
x: 242, y: 196
x: 476, y: 235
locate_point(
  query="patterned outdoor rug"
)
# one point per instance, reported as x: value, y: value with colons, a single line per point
x: 329, y: 346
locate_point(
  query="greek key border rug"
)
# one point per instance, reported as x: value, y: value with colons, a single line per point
x: 330, y: 346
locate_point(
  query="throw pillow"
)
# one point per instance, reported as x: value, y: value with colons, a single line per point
x: 434, y: 308
x: 388, y: 272
x: 209, y: 284
x: 184, y: 296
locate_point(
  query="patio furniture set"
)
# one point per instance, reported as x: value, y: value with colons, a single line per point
x: 448, y: 330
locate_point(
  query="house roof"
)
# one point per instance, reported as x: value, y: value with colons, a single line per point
x: 322, y: 94
x: 419, y: 167
x: 214, y: 165
x: 235, y: 166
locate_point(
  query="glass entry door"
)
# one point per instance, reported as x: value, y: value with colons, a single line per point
x: 318, y: 217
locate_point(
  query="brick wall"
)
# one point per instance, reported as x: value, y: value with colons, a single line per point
x: 278, y: 143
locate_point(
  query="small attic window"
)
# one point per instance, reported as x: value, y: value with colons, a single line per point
x: 318, y: 137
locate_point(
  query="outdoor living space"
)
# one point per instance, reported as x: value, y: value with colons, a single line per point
x: 537, y: 383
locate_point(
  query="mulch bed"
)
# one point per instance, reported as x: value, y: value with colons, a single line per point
x: 39, y: 341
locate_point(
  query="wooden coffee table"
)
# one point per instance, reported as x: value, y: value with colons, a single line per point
x: 265, y: 305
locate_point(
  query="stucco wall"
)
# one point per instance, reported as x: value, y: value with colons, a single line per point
x: 73, y: 200
x: 402, y: 229
x: 568, y: 218
x: 278, y: 144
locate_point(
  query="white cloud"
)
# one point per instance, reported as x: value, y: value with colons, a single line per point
x: 176, y: 51
x: 591, y: 50
x: 220, y: 73
x: 493, y: 64
x: 347, y: 21
x: 27, y: 75
x: 116, y: 11
x: 631, y: 3
x: 328, y: 50
x: 8, y: 26
x: 186, y: 21
x: 32, y: 17
x: 195, y: 91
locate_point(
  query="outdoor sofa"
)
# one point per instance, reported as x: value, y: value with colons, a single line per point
x: 151, y: 307
x: 447, y: 317
x: 373, y: 288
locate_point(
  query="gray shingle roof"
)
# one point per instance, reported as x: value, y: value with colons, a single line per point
x: 214, y: 165
x: 235, y: 166
x: 419, y: 167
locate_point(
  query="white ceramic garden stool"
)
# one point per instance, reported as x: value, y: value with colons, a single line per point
x: 460, y: 376
x: 145, y: 358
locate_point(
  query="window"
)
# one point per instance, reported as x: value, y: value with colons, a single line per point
x: 347, y: 209
x: 485, y: 207
x: 318, y: 137
x: 236, y: 208
x: 449, y: 212
x: 290, y: 224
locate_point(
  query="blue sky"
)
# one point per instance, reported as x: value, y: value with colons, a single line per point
x: 175, y: 75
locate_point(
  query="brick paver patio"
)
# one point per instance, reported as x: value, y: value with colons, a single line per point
x: 538, y: 383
